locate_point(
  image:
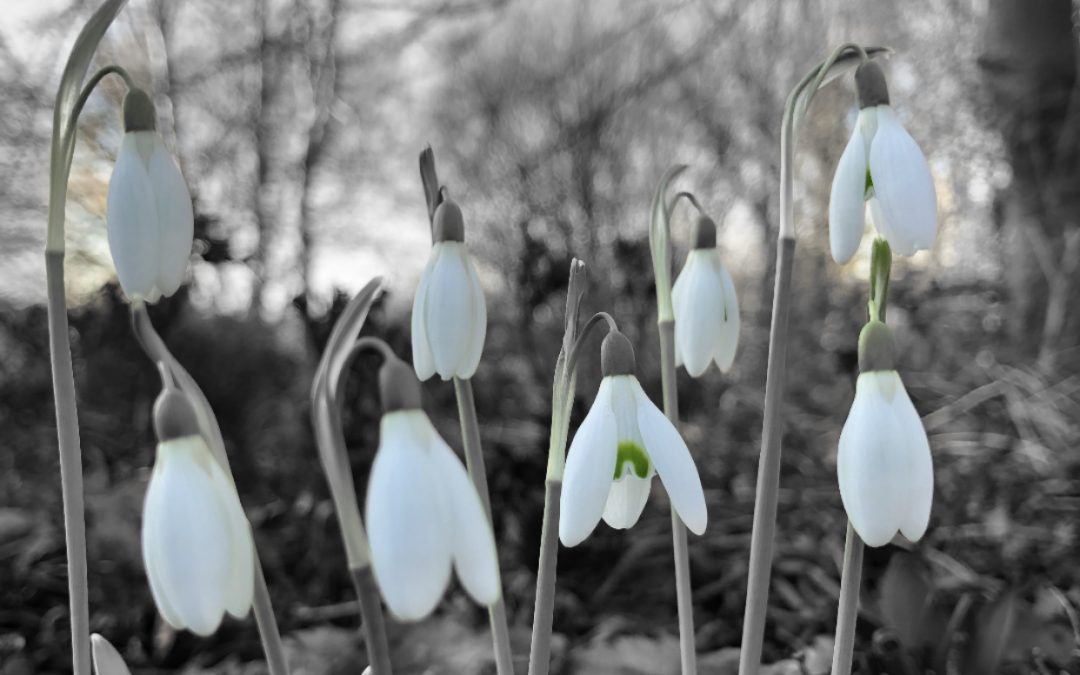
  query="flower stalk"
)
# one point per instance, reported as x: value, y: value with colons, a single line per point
x: 842, y: 60
x: 157, y: 352
x: 334, y: 457
x: 562, y: 398
x: 70, y: 98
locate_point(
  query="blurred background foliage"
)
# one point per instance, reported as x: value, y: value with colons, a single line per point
x: 298, y: 123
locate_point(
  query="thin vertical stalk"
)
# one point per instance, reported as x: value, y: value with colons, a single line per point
x: 848, y: 611
x: 373, y: 624
x: 683, y: 595
x: 768, y: 480
x: 842, y: 59
x: 544, y: 611
x: 71, y: 478
x: 267, y: 625
x: 474, y: 463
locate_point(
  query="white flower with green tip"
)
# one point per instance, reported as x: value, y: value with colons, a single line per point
x: 623, y: 442
x: 883, y: 165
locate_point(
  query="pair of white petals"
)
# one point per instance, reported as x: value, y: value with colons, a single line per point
x: 884, y: 465
x: 706, y: 314
x: 149, y: 218
x: 623, y: 415
x: 449, y: 317
x: 196, y: 540
x: 424, y: 516
x: 902, y: 200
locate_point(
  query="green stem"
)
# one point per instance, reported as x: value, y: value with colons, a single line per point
x: 371, y: 615
x: 474, y: 463
x: 267, y: 625
x: 848, y: 610
x: 71, y: 478
x: 683, y: 594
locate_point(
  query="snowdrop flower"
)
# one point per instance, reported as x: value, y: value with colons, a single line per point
x: 884, y: 467
x: 149, y: 216
x: 881, y: 164
x: 705, y: 306
x: 196, y: 541
x: 107, y: 661
x: 424, y: 515
x: 623, y: 442
x: 449, y: 317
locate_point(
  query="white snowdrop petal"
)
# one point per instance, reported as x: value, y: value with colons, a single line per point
x: 669, y: 454
x: 920, y: 478
x: 241, y: 587
x: 447, y: 310
x: 175, y: 219
x: 478, y: 320
x: 408, y: 531
x: 423, y: 361
x: 194, y: 541
x: 902, y: 182
x: 898, y: 242
x: 590, y: 466
x: 869, y: 465
x: 728, y: 342
x: 678, y: 301
x: 847, y: 198
x: 152, y: 531
x: 475, y: 557
x: 107, y: 661
x: 698, y: 324
x: 626, y: 500
x: 131, y: 220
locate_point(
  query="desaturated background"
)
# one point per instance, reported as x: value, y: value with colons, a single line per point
x: 298, y: 124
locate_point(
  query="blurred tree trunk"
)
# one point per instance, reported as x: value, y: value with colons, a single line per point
x: 1029, y: 72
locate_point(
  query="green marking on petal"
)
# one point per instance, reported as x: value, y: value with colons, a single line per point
x: 869, y: 181
x: 632, y: 453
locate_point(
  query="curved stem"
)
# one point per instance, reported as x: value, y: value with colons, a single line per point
x: 675, y: 202
x: 474, y: 463
x: 171, y: 371
x: 575, y: 352
x: 683, y: 593
x: 768, y: 478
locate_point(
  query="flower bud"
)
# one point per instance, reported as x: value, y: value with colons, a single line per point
x: 149, y: 217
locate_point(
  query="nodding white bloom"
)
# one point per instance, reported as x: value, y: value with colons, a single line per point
x: 149, y: 215
x: 623, y: 442
x: 884, y: 465
x: 424, y: 515
x: 705, y: 307
x: 881, y: 164
x: 196, y: 541
x: 449, y: 317
x: 107, y: 661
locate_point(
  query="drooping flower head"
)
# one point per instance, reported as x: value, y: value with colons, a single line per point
x: 705, y: 306
x: 884, y: 465
x: 424, y: 516
x: 884, y: 166
x: 449, y: 316
x: 149, y: 216
x: 196, y: 540
x: 623, y: 442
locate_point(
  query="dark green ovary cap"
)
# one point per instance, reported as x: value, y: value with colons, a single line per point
x: 616, y: 355
x: 876, y: 348
x: 174, y: 416
x: 139, y: 114
x: 704, y: 235
x: 871, y: 86
x: 448, y: 223
x: 398, y: 386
